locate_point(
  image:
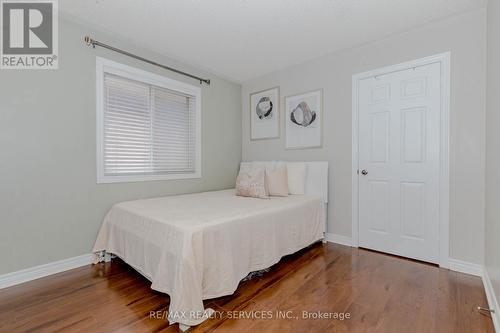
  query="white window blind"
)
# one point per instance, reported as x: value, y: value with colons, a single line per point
x: 148, y: 130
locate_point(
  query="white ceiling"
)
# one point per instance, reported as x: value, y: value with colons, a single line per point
x: 243, y: 39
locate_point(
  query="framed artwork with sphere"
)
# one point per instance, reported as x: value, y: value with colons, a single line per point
x: 264, y: 114
x: 304, y: 120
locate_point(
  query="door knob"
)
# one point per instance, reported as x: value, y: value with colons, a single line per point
x: 364, y: 172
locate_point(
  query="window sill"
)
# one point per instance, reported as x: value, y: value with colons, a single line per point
x: 101, y: 179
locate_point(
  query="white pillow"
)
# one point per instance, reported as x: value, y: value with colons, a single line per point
x: 296, y: 178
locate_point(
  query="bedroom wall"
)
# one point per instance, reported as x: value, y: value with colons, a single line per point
x: 493, y: 149
x: 50, y: 205
x: 465, y: 37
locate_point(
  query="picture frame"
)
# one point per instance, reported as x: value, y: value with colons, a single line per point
x: 304, y: 120
x: 265, y: 114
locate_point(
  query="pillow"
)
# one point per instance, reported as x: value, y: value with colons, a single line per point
x: 251, y: 183
x: 248, y: 166
x: 296, y: 178
x: 277, y: 181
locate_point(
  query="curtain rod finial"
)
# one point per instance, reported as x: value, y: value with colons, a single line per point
x: 89, y: 41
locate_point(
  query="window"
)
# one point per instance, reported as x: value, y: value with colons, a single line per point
x: 148, y: 126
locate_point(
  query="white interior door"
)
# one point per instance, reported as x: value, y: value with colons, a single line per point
x: 399, y: 151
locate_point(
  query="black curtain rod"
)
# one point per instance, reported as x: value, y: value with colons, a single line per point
x: 94, y: 43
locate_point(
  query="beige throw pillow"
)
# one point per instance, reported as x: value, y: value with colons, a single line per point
x: 277, y: 181
x: 251, y: 183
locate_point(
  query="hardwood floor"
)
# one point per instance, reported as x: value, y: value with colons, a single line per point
x: 381, y: 293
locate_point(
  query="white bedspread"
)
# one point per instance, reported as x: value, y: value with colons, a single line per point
x: 199, y: 246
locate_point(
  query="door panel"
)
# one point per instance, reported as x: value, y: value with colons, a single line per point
x: 399, y: 140
x: 412, y: 208
x: 413, y: 135
x: 379, y: 137
x: 379, y: 206
x: 380, y: 93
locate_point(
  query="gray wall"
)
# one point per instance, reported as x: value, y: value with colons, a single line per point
x: 465, y: 37
x: 493, y: 148
x: 50, y: 205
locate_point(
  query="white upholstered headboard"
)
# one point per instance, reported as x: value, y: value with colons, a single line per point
x: 316, y: 177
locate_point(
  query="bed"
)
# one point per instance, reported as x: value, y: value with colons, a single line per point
x: 200, y: 246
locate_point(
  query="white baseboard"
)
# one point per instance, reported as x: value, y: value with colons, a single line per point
x: 33, y: 273
x: 339, y: 239
x: 465, y: 267
x: 492, y: 300
x: 480, y: 270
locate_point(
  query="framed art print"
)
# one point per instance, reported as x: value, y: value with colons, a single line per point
x: 264, y: 114
x: 303, y: 120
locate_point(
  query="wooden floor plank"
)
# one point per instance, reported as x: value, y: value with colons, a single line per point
x: 381, y: 293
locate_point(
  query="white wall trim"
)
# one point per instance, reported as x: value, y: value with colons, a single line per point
x: 444, y: 205
x: 33, y: 273
x: 338, y: 239
x: 465, y: 267
x: 492, y: 300
x: 479, y: 270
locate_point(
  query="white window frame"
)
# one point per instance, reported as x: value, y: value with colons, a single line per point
x: 108, y: 66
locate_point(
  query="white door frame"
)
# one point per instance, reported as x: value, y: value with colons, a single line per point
x: 444, y: 173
